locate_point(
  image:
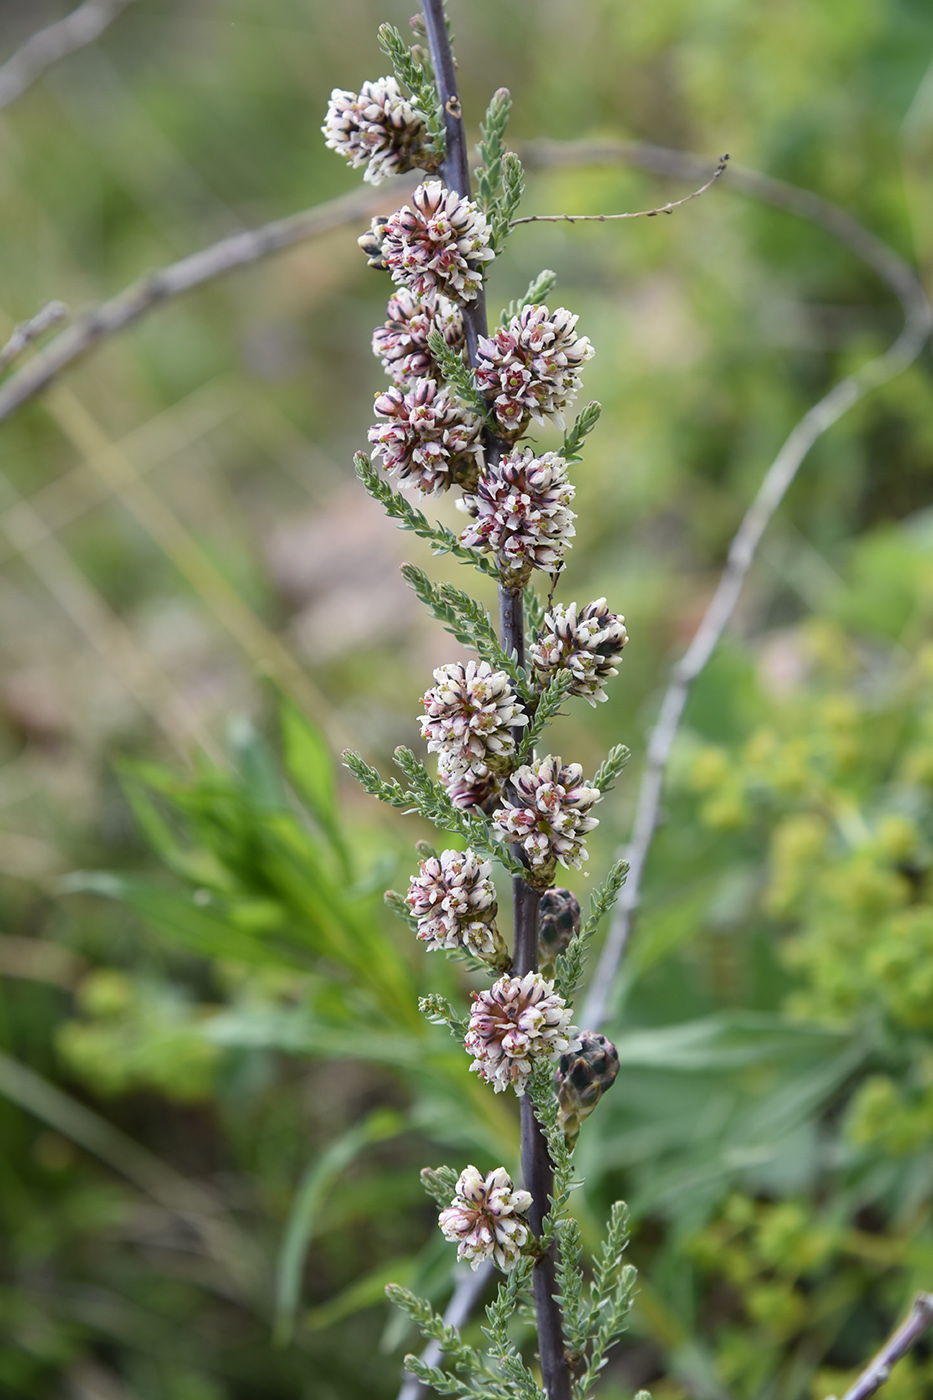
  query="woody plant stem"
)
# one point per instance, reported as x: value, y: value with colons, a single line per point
x: 536, y: 1163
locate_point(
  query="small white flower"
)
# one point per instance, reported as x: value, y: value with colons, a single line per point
x: 402, y: 343
x: 588, y: 645
x: 517, y: 1022
x: 468, y: 719
x: 378, y: 128
x: 427, y: 438
x: 486, y: 1218
x: 545, y: 810
x: 522, y: 510
x: 435, y: 244
x: 454, y: 901
x: 529, y: 368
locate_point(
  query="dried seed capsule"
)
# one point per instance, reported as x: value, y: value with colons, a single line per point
x: 558, y: 923
x: 582, y: 1077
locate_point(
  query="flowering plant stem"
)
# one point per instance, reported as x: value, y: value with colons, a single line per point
x: 536, y: 1163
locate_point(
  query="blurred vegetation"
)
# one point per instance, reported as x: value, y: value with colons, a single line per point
x: 215, y: 1093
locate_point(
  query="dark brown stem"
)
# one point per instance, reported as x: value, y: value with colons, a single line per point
x: 536, y: 1163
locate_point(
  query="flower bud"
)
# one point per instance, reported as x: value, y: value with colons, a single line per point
x: 582, y: 1077
x: 558, y: 923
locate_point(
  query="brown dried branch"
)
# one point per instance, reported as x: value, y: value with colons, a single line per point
x: 30, y: 330
x: 637, y: 214
x: 878, y: 1370
x: 57, y: 41
x: 155, y: 288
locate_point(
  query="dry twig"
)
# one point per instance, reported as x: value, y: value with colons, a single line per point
x: 637, y: 214
x: 57, y: 41
x: 154, y: 288
x: 30, y: 330
x: 900, y: 1342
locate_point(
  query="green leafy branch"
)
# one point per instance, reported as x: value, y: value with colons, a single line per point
x: 571, y: 962
x: 465, y: 1358
x: 546, y: 1106
x: 492, y: 149
x: 387, y: 790
x: 570, y: 1282
x: 440, y: 1183
x: 430, y: 800
x: 439, y: 1012
x: 520, y: 1382
x: 415, y: 80
x: 397, y: 903
x: 467, y: 620
x: 459, y: 376
x: 586, y: 421
x: 611, y: 1295
x: 610, y: 768
x: 396, y: 506
x: 538, y: 291
x: 512, y: 187
x: 500, y: 180
x: 433, y: 803
x: 534, y: 612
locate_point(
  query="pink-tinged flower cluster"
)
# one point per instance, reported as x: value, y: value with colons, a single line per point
x: 427, y: 438
x: 402, y: 343
x: 587, y: 646
x: 378, y: 128
x: 546, y: 807
x: 468, y: 720
x: 522, y: 512
x: 529, y: 368
x: 486, y: 1218
x: 454, y: 901
x: 519, y: 1021
x: 436, y: 243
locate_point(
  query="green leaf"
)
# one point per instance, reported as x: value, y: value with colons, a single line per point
x: 538, y: 291
x: 398, y: 508
x: 459, y: 376
x: 586, y: 421
x: 203, y: 928
x: 381, y: 1125
x: 310, y: 768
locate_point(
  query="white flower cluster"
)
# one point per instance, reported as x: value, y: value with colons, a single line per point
x: 378, y: 128
x: 454, y: 901
x: 427, y: 438
x: 587, y: 646
x: 517, y: 1022
x: 522, y: 512
x: 402, y: 342
x: 528, y: 369
x: 468, y: 720
x: 435, y: 244
x: 486, y: 1218
x: 546, y: 810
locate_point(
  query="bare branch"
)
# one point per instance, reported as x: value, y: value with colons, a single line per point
x: 157, y: 287
x: 638, y: 214
x: 918, y: 322
x: 878, y: 1370
x: 57, y: 41
x: 29, y: 331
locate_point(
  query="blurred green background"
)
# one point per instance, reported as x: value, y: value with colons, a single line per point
x: 215, y: 1091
